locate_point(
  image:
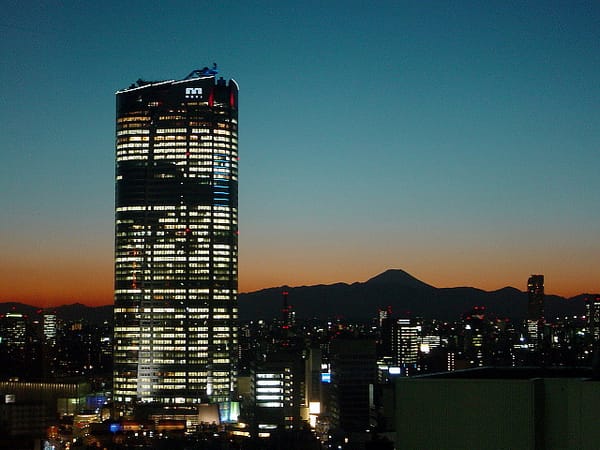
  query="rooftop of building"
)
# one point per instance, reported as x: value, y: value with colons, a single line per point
x: 514, y: 373
x: 196, y: 74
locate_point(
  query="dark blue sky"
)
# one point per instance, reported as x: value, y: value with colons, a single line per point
x: 459, y: 141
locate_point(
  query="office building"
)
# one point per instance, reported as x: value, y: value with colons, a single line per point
x: 49, y: 324
x: 498, y: 408
x: 312, y: 384
x: 288, y: 315
x: 592, y: 313
x: 385, y: 347
x: 353, y: 380
x: 474, y: 336
x: 13, y: 331
x: 277, y: 393
x: 176, y: 241
x: 407, y: 345
x: 16, y: 350
x: 535, y: 311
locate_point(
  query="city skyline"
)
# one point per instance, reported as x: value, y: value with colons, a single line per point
x: 456, y: 142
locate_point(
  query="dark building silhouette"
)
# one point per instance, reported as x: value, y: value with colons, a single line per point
x: 176, y: 246
x: 535, y: 292
x: 288, y: 315
x: 386, y: 332
x: 353, y: 379
x: 492, y: 408
x: 535, y: 311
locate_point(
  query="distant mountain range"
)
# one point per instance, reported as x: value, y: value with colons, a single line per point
x: 404, y: 293
x: 76, y: 311
x: 360, y: 301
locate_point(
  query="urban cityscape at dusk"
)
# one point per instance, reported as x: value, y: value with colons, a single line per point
x: 367, y: 227
x: 455, y: 141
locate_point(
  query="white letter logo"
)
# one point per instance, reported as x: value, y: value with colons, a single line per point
x: 193, y: 92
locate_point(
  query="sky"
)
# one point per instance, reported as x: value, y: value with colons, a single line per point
x: 458, y: 141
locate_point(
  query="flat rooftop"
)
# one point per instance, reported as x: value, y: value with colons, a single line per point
x: 514, y: 373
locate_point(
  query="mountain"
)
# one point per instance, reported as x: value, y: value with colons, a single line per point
x: 92, y: 314
x: 18, y: 307
x: 404, y: 293
x: 397, y: 277
x: 359, y: 301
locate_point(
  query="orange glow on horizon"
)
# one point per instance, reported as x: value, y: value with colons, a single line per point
x: 54, y: 285
x: 92, y: 284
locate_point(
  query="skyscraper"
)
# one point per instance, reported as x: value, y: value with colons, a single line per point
x: 407, y: 344
x: 535, y: 311
x: 592, y: 313
x: 176, y: 240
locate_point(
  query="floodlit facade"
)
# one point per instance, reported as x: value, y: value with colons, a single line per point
x: 176, y: 243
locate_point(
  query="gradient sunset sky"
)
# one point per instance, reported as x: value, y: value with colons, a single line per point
x: 459, y: 141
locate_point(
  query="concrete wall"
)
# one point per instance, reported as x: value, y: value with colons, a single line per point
x: 465, y: 414
x: 572, y: 414
x: 541, y: 413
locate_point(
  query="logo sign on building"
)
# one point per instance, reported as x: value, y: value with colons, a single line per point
x: 193, y: 92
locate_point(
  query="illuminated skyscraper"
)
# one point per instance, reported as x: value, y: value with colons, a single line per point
x: 592, y: 312
x: 407, y: 344
x: 535, y: 311
x: 176, y: 240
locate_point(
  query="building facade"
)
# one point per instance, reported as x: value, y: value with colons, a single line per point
x: 493, y: 407
x: 176, y: 241
x: 592, y: 314
x: 407, y: 345
x: 276, y: 390
x: 353, y: 379
x: 535, y: 311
